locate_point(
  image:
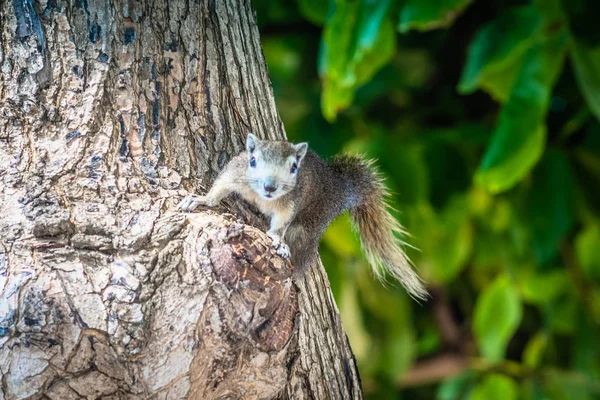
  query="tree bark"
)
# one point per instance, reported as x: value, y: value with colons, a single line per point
x: 110, y: 112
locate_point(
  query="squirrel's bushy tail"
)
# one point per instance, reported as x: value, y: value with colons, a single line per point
x: 379, y: 231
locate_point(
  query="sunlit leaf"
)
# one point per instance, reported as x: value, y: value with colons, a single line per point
x: 495, y: 55
x: 511, y: 153
x: 587, y: 246
x: 543, y: 288
x: 357, y: 41
x: 534, y: 350
x: 341, y: 239
x: 497, y: 316
x: 427, y: 15
x: 371, y: 55
x: 495, y: 387
x: 335, y: 98
x: 519, y: 138
x: 498, y: 84
x: 353, y: 324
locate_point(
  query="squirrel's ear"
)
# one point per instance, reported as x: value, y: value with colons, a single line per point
x: 251, y: 143
x: 301, y: 149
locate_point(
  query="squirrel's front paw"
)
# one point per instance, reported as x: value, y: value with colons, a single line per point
x: 191, y: 202
x: 282, y: 249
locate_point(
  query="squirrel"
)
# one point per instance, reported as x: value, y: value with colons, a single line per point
x: 302, y: 194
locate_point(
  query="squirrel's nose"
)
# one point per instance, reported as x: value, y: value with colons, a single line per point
x: 270, y: 186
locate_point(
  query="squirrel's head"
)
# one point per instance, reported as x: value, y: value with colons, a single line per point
x: 273, y: 166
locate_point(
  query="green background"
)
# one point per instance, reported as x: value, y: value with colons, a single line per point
x: 484, y: 117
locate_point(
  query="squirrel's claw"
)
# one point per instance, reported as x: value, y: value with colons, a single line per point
x: 191, y: 202
x: 282, y: 249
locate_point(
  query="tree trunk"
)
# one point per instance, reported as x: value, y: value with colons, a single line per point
x: 110, y: 112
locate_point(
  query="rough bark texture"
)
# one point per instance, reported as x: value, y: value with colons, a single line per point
x: 109, y: 113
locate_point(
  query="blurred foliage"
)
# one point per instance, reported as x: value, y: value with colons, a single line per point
x: 484, y: 116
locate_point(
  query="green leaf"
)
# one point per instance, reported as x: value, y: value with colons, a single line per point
x: 445, y: 240
x: 586, y: 62
x: 498, y: 84
x: 341, y: 239
x: 498, y: 313
x: 562, y: 316
x: 429, y: 341
x: 495, y: 387
x: 390, y: 320
x: 534, y: 351
x: 549, y: 206
x: 495, y: 55
x: 518, y: 140
x: 428, y: 15
x: 531, y: 389
x: 352, y: 317
x: 399, y: 352
x: 284, y: 57
x: 587, y: 246
x: 543, y: 288
x: 358, y: 40
x: 457, y: 388
x: 511, y: 153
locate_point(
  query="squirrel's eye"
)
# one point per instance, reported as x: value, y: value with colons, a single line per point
x: 294, y: 168
x: 253, y: 162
